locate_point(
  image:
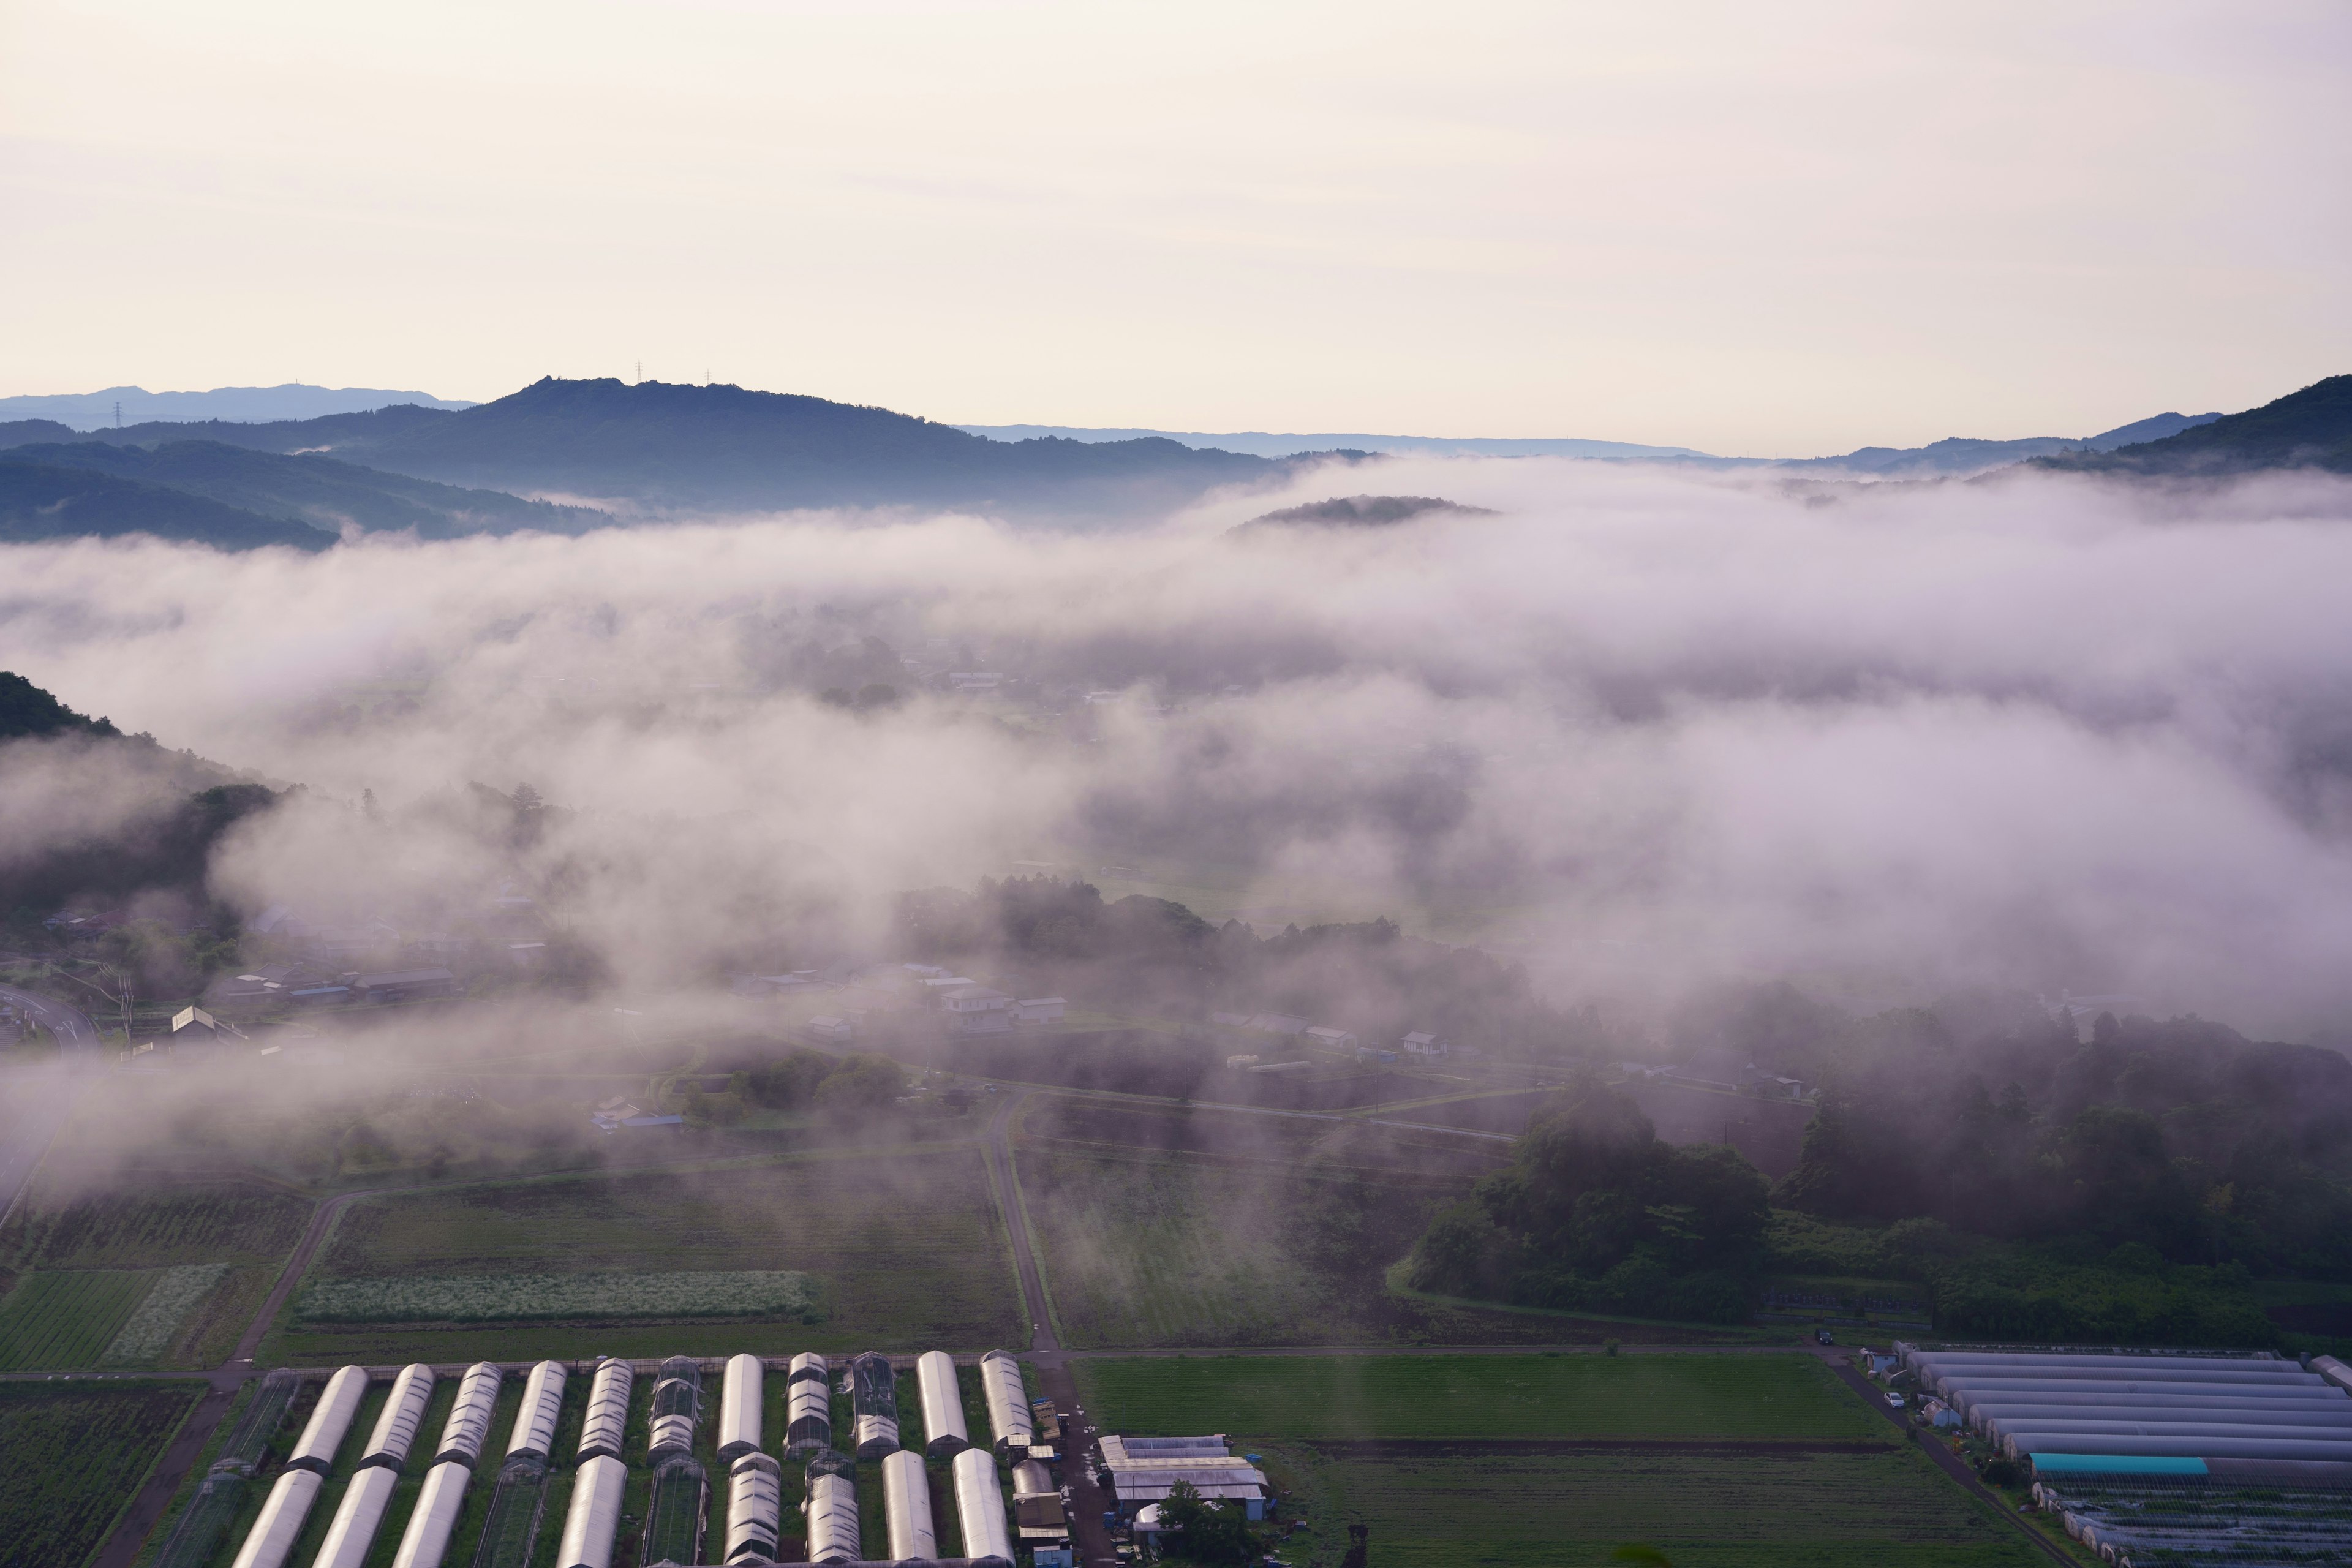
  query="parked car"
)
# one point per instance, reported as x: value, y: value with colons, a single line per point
x: 1824, y: 1337
x: 1894, y: 1401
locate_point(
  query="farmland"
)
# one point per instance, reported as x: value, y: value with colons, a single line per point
x: 153, y: 1226
x: 100, y: 1317
x: 73, y: 1456
x: 1725, y: 1461
x: 904, y: 1249
x: 501, y: 1298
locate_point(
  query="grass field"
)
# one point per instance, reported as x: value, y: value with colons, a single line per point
x: 153, y: 1226
x: 72, y: 1455
x: 906, y: 1250
x: 1729, y: 1396
x: 1723, y: 1461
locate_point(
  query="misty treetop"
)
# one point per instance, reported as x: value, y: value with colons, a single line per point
x: 27, y: 711
x: 1597, y: 1213
x: 1140, y: 954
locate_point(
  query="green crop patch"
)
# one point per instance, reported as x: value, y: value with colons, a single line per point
x: 72, y: 1455
x: 1732, y: 1397
x: 69, y: 1317
x: 508, y: 1298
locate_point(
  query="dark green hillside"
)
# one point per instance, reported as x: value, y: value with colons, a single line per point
x: 26, y: 709
x: 315, y: 490
x: 50, y: 500
x: 2307, y: 429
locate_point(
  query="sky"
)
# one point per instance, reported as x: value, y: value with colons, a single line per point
x: 1764, y: 230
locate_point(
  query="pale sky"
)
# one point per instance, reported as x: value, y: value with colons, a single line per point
x: 1791, y: 228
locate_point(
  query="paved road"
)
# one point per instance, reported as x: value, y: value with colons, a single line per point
x: 72, y: 1026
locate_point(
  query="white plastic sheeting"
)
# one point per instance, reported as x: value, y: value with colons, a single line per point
x: 1031, y: 1479
x: 2203, y: 1448
x: 808, y: 1404
x: 2334, y: 1371
x: 404, y: 1413
x: 323, y: 1433
x: 271, y: 1539
x: 979, y: 1508
x: 678, y: 1405
x: 357, y: 1517
x: 593, y: 1518
x: 907, y: 1505
x: 739, y: 1407
x: 542, y: 1403
x: 468, y: 1427
x: 832, y: 1510
x: 944, y: 1434
x: 755, y: 1509
x: 425, y: 1542
x: 607, y: 1422
x: 1008, y: 1402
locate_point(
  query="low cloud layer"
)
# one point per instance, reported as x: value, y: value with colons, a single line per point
x: 1642, y: 728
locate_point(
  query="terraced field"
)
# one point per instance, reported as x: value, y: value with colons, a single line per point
x: 72, y: 1455
x: 905, y: 1249
x: 1723, y: 1461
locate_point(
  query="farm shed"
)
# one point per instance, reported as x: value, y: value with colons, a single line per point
x: 1144, y: 1470
x: 907, y: 1506
x: 739, y: 1407
x: 874, y: 1395
x: 594, y: 1517
x: 678, y: 1405
x: 468, y: 1427
x: 980, y: 1510
x: 271, y: 1539
x: 1008, y: 1402
x: 808, y: 1405
x: 404, y: 1413
x: 443, y: 1498
x: 831, y: 1509
x: 542, y: 1403
x: 323, y: 1434
x: 674, y: 1511
x: 1037, y: 1512
x: 755, y: 1509
x: 943, y: 1426
x: 357, y: 1517
x: 2152, y: 1405
x: 607, y: 1420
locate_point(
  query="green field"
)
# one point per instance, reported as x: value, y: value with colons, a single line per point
x: 72, y: 1455
x: 153, y: 1226
x: 1174, y: 1251
x: 1580, y: 1395
x: 1724, y: 1462
x: 907, y: 1251
x: 67, y: 1319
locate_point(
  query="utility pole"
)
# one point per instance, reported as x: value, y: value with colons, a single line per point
x: 118, y: 413
x: 641, y: 373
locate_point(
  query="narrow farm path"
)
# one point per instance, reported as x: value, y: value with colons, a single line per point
x: 1951, y: 1463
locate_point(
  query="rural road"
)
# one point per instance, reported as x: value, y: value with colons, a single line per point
x: 72, y: 1026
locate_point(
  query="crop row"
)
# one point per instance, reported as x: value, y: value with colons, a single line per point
x: 509, y: 1298
x: 150, y: 1330
x: 72, y: 1455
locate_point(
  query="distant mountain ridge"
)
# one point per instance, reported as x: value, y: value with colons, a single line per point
x: 137, y: 406
x: 42, y: 501
x: 2308, y: 429
x: 666, y: 445
x: 1264, y: 444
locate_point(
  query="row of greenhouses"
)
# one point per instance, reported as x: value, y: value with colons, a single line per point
x: 680, y: 1488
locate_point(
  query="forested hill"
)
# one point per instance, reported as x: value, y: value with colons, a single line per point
x: 2308, y: 429
x: 27, y: 711
x: 675, y: 447
x: 53, y: 500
